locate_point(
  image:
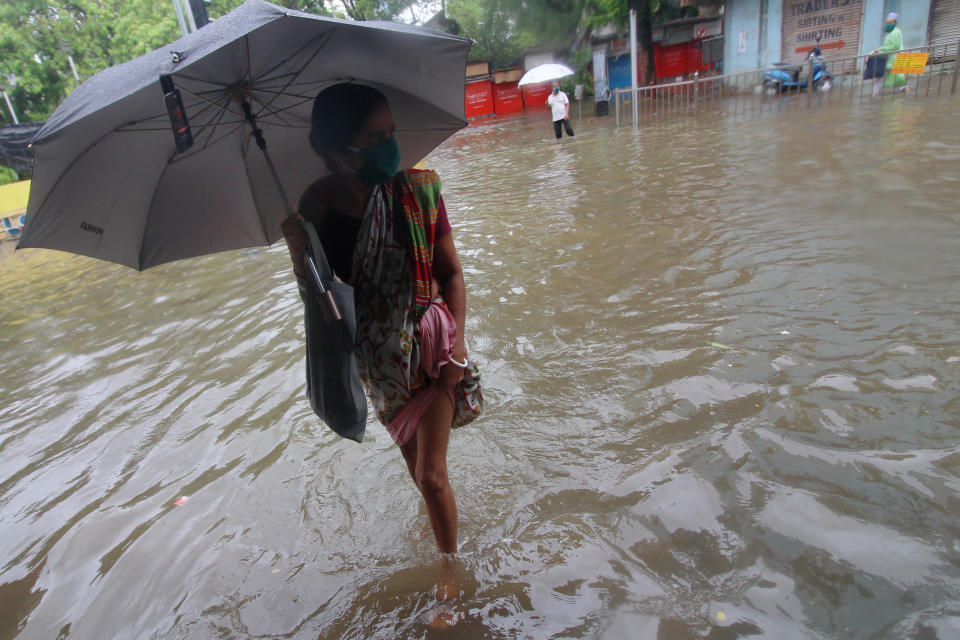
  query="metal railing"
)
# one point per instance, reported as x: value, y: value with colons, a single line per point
x: 747, y: 93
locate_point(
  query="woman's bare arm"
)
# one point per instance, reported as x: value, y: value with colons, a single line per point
x: 450, y: 276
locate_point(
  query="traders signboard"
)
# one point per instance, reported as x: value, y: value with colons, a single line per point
x: 836, y: 23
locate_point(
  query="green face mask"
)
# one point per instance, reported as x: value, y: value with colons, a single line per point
x: 380, y: 162
x: 889, y: 27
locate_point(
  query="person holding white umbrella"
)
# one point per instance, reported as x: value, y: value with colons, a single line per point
x: 560, y: 108
x: 557, y: 100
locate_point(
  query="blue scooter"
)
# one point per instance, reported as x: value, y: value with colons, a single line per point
x: 786, y: 76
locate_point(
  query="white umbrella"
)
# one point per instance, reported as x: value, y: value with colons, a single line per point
x: 545, y: 72
x: 111, y: 182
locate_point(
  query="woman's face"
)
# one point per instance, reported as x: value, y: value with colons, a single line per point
x: 378, y: 127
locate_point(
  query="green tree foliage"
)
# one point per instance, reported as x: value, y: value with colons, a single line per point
x: 352, y: 9
x: 37, y: 36
x: 492, y: 25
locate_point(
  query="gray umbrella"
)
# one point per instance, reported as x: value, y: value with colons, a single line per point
x: 108, y: 181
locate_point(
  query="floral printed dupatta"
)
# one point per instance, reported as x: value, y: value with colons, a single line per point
x: 385, y: 281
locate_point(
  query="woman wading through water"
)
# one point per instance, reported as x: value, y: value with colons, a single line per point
x: 386, y: 233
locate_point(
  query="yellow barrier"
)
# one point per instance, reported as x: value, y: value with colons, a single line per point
x: 13, y: 204
x: 13, y: 198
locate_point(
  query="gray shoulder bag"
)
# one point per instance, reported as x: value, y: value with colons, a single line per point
x: 333, y: 384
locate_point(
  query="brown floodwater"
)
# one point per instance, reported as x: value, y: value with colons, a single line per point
x: 722, y: 373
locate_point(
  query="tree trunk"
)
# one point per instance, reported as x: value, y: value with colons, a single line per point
x: 582, y: 34
x: 645, y: 61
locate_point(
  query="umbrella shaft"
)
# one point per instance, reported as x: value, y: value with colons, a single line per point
x: 258, y: 136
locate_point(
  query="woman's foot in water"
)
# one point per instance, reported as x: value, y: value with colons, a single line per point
x: 448, y: 613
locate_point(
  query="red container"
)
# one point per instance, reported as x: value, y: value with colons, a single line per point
x: 478, y: 98
x: 678, y: 59
x: 535, y: 95
x: 507, y: 98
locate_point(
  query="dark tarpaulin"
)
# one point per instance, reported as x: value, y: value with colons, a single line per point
x: 15, y: 151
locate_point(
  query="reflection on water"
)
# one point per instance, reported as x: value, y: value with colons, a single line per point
x: 721, y: 364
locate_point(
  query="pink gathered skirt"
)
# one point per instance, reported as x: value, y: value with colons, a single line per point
x: 438, y: 335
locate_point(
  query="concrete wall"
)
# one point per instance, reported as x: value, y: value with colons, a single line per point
x: 742, y: 49
x: 771, y: 53
x: 741, y: 36
x: 914, y: 22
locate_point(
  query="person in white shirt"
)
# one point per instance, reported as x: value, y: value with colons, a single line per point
x: 560, y: 106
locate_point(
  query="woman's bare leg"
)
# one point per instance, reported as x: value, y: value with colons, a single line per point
x: 426, y: 457
x: 409, y: 451
x: 433, y: 435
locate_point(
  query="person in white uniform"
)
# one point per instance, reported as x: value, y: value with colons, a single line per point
x: 560, y: 106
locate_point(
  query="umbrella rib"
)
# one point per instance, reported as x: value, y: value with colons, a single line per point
x: 185, y: 76
x: 210, y: 142
x: 203, y: 127
x: 253, y: 193
x: 305, y: 47
x: 213, y: 125
x: 132, y: 126
x: 294, y: 75
x: 281, y: 93
x: 213, y: 129
x: 212, y: 103
x: 153, y: 197
x: 246, y: 48
x: 264, y: 85
x: 273, y: 112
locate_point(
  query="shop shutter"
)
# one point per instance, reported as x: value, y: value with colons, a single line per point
x: 837, y: 22
x: 945, y: 22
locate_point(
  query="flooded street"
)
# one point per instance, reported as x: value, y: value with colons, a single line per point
x: 722, y: 373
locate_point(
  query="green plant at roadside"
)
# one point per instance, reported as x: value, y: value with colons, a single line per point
x: 581, y: 60
x: 8, y: 175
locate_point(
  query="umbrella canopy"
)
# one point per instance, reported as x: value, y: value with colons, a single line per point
x: 109, y: 183
x: 545, y: 72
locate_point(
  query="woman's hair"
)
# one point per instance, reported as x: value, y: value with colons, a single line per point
x: 339, y: 113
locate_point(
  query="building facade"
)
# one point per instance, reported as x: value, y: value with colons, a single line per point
x: 761, y: 32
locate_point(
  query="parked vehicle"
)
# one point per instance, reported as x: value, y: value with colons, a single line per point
x: 787, y: 76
